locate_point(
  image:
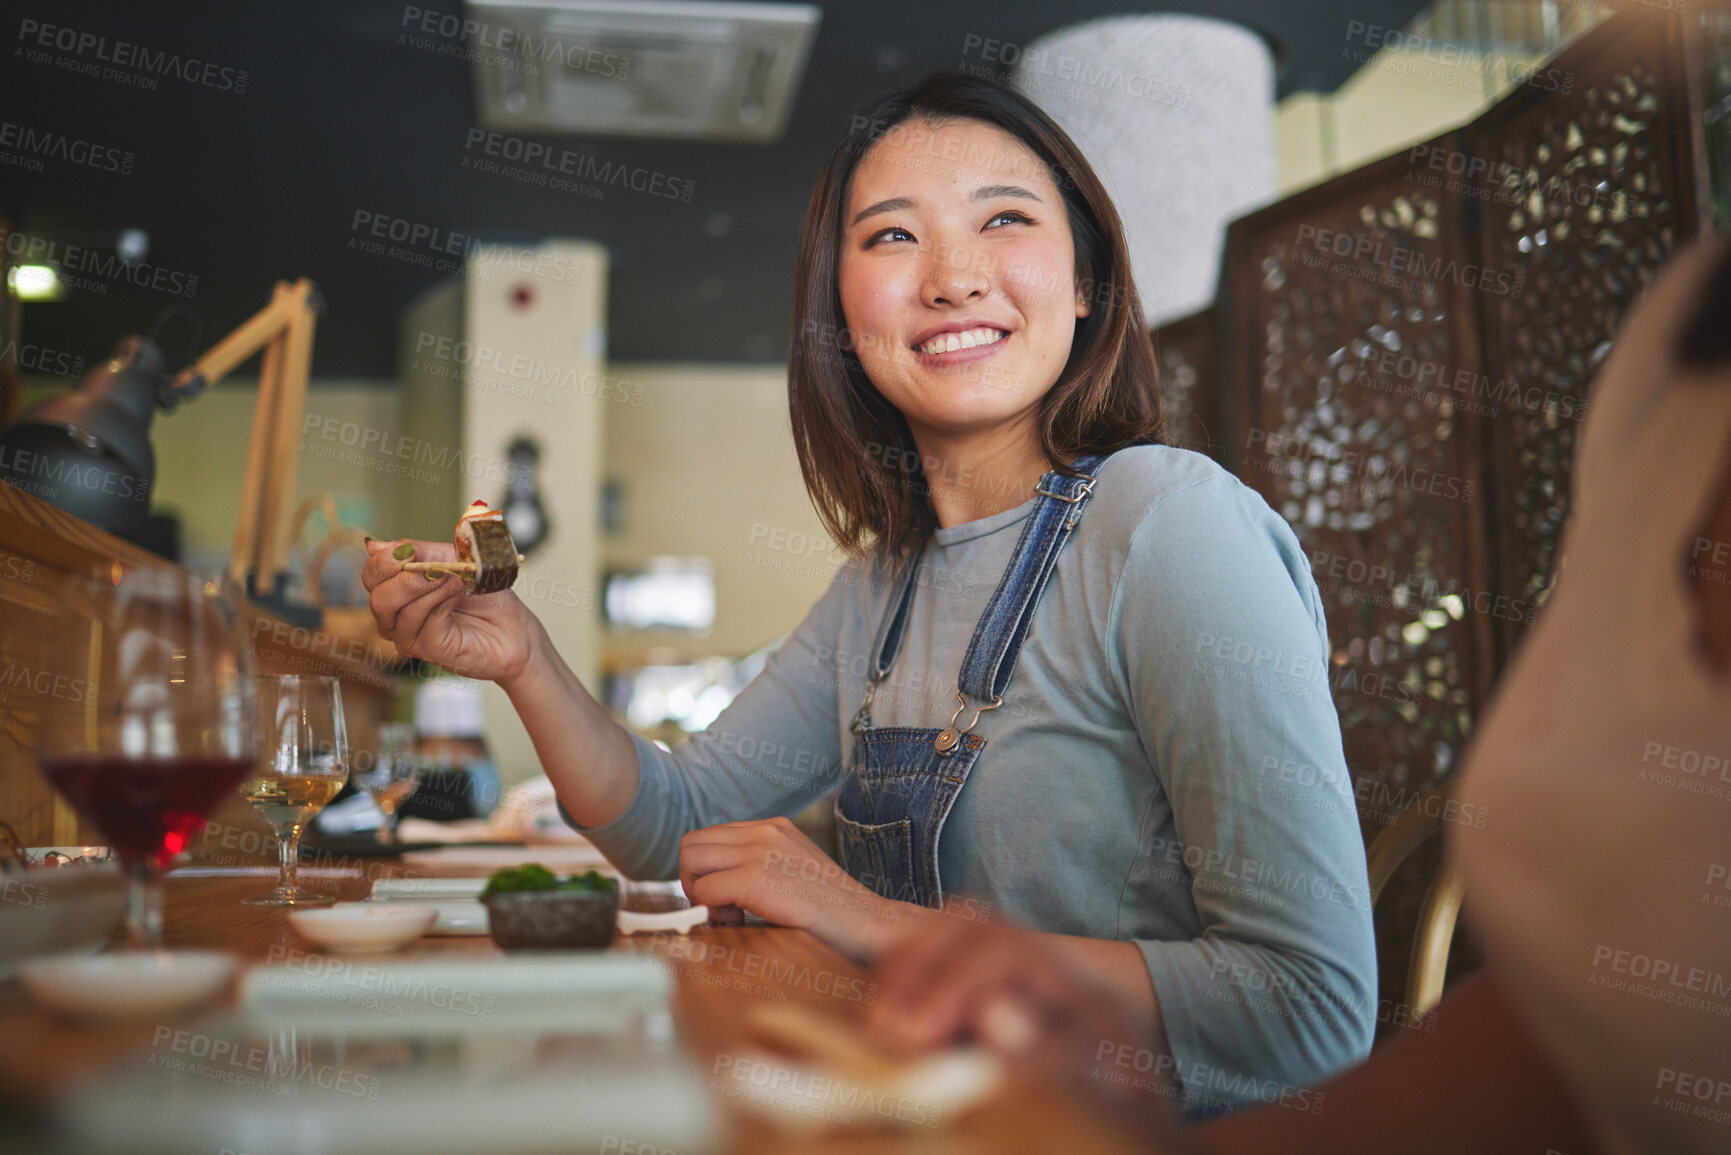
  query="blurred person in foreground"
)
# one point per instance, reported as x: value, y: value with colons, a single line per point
x: 1599, y: 887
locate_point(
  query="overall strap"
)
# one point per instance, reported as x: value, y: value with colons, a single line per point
x: 889, y: 642
x: 997, y: 640
x: 991, y: 656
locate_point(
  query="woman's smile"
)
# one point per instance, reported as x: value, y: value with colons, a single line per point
x: 959, y: 341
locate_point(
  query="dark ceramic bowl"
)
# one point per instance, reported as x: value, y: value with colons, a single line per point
x: 552, y: 919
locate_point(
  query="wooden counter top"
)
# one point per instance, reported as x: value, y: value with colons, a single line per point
x: 720, y: 974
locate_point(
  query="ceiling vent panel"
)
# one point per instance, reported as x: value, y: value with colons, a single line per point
x: 659, y: 69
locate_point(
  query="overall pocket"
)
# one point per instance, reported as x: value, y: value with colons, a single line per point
x: 891, y: 808
x: 878, y: 855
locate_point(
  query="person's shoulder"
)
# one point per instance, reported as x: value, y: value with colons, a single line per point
x: 851, y: 594
x: 1138, y: 481
x: 1183, y: 506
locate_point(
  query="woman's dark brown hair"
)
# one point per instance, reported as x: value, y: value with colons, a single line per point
x: 858, y: 457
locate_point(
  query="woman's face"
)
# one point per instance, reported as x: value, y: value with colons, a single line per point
x: 957, y: 271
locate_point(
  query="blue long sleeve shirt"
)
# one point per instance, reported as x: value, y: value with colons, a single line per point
x: 1166, y: 768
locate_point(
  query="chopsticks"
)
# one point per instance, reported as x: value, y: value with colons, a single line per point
x: 446, y: 566
x: 439, y: 567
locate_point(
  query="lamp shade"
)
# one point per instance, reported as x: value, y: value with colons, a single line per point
x: 1176, y: 114
x: 88, y: 452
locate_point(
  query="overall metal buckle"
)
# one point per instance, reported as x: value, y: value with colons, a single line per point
x: 864, y: 714
x: 1082, y: 491
x: 947, y: 742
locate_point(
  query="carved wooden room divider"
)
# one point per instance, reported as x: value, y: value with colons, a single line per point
x: 1398, y: 360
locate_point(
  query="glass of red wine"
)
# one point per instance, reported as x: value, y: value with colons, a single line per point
x: 155, y: 729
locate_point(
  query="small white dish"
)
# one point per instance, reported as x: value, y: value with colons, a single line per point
x: 127, y: 984
x: 361, y: 927
x: 662, y: 921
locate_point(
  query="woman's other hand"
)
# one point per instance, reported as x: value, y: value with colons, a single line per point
x: 489, y: 636
x: 774, y: 871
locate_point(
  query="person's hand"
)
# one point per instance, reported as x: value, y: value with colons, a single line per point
x: 486, y: 636
x: 774, y: 871
x: 1013, y: 992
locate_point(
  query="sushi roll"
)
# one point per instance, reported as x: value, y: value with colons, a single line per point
x: 483, y: 539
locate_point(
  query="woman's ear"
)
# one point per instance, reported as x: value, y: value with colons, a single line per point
x: 1083, y: 305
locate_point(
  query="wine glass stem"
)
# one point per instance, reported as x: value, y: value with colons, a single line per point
x: 144, y: 907
x: 288, y: 846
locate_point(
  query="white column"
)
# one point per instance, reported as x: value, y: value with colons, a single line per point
x: 517, y: 349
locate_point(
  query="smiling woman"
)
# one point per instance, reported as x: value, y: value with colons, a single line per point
x: 1020, y: 713
x: 963, y: 196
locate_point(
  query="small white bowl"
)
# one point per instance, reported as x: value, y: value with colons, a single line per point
x: 127, y: 984
x: 358, y: 927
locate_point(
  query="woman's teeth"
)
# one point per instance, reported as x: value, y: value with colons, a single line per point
x: 967, y: 339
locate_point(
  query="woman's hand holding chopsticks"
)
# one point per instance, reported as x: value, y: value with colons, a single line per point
x: 426, y: 613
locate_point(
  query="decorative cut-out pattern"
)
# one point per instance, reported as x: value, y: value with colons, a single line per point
x: 1403, y: 367
x: 1589, y: 215
x: 1182, y: 352
x: 1350, y: 442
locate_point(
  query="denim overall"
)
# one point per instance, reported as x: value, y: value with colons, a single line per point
x: 892, y: 808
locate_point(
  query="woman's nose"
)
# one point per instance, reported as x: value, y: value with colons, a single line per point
x: 954, y: 275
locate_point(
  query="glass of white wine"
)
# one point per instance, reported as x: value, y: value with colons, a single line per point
x: 393, y: 776
x: 303, y: 764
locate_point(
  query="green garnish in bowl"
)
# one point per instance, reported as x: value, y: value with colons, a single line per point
x: 590, y: 880
x: 534, y: 876
x: 529, y: 908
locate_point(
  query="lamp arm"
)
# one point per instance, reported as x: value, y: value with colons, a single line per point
x: 251, y: 336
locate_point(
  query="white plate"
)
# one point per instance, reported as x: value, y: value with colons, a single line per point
x: 127, y: 984
x: 500, y: 1093
x: 484, y: 860
x: 440, y: 995
x: 420, y: 889
x: 424, y: 889
x: 453, y: 898
x: 351, y: 927
x: 459, y: 914
x: 457, y: 917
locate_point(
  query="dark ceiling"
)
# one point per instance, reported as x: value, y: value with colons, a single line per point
x: 338, y: 118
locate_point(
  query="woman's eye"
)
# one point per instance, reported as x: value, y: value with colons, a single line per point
x: 1009, y: 215
x: 887, y: 234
